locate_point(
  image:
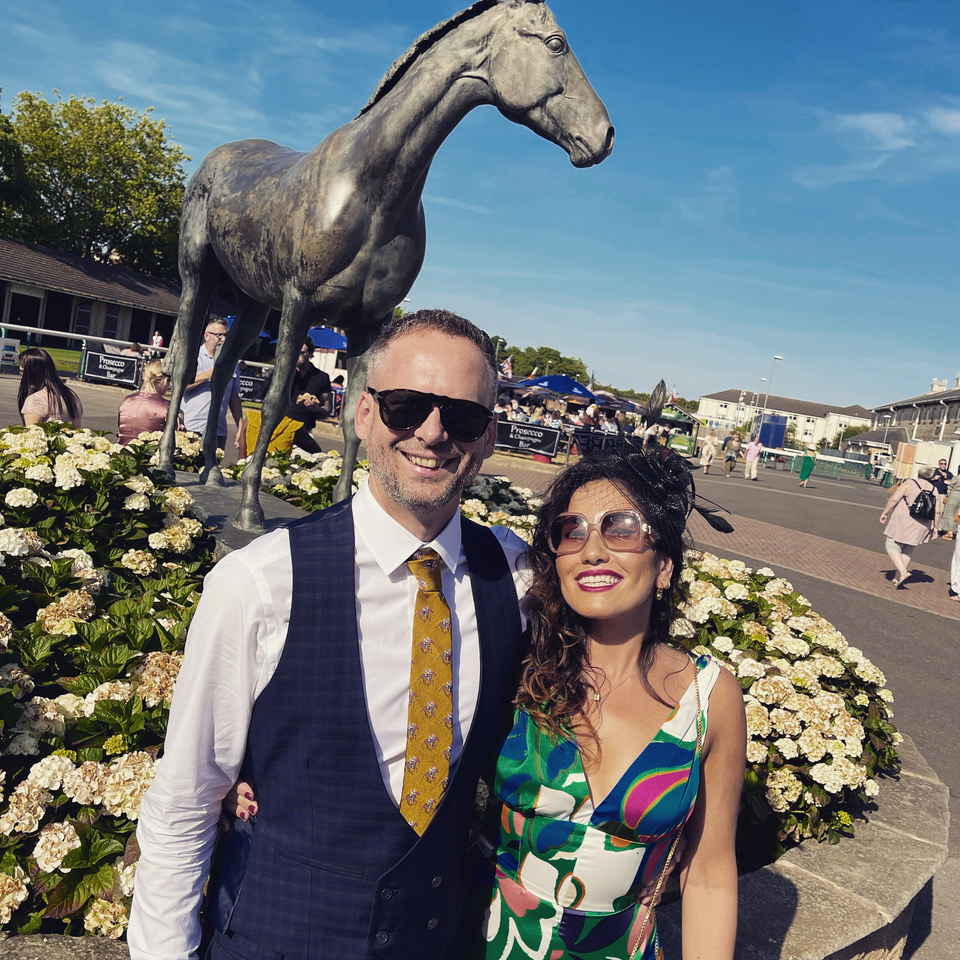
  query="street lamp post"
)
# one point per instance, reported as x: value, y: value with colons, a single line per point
x: 766, y: 399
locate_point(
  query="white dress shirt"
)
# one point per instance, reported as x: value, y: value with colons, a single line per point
x: 233, y: 648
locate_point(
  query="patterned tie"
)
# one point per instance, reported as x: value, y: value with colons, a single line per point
x: 430, y: 712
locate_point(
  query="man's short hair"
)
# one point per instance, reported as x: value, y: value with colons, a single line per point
x: 309, y: 344
x: 925, y: 473
x: 439, y: 321
x: 215, y: 322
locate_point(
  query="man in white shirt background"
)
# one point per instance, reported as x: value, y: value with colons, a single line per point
x: 298, y: 677
x: 196, y: 396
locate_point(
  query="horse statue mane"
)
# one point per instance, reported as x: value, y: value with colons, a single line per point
x: 426, y: 40
x: 337, y: 234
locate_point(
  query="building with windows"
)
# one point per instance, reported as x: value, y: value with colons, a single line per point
x: 64, y: 293
x: 933, y: 416
x: 812, y: 421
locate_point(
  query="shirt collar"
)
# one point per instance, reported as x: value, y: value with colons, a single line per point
x: 391, y: 544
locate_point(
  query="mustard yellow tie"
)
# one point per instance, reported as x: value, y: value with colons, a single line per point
x: 430, y: 712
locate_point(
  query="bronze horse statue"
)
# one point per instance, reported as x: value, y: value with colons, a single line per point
x: 337, y: 234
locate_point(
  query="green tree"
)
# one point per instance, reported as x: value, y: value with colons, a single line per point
x: 98, y: 180
x: 528, y: 359
x: 790, y: 441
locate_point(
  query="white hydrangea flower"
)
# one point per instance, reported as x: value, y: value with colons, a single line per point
x: 106, y: 918
x: 137, y: 501
x: 56, y: 840
x: 748, y: 667
x: 40, y: 472
x: 139, y: 483
x: 788, y: 749
x: 84, y: 785
x: 49, y: 772
x: 140, y: 562
x: 13, y: 891
x: 123, y: 878
x: 723, y: 644
x: 127, y: 779
x: 735, y: 591
x: 20, y: 497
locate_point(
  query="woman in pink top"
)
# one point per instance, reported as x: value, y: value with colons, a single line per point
x: 147, y: 410
x: 43, y: 395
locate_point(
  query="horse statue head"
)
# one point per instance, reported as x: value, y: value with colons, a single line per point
x: 535, y: 79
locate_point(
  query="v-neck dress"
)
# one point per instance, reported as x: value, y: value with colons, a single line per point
x: 568, y: 873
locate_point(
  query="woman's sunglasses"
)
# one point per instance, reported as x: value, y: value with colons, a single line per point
x: 622, y: 530
x: 464, y: 420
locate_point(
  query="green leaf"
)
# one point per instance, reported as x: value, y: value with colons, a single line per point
x: 31, y: 924
x: 77, y: 888
x: 35, y: 651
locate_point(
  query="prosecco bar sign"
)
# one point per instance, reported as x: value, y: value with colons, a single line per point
x: 111, y: 368
x: 528, y: 437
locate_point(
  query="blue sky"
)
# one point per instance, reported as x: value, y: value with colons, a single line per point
x: 785, y: 179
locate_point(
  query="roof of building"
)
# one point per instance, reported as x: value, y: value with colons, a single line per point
x: 890, y: 435
x: 945, y: 395
x: 804, y: 408
x: 67, y: 273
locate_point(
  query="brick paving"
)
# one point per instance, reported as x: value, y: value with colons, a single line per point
x: 839, y: 563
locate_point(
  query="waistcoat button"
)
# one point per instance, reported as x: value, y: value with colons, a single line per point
x: 386, y: 893
x: 432, y: 923
x: 436, y: 881
x: 382, y: 937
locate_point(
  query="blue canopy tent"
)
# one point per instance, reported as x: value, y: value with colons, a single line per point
x: 326, y: 338
x: 559, y: 383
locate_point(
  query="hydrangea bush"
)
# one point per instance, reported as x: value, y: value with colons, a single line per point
x: 101, y: 561
x: 818, y: 711
x: 100, y: 564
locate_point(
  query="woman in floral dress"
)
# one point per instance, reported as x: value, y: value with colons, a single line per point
x: 621, y: 741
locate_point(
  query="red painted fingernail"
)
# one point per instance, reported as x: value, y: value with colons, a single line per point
x: 248, y: 795
x: 242, y: 815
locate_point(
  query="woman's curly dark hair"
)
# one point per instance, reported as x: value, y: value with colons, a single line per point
x: 658, y: 482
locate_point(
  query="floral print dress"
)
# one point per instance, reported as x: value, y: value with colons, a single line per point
x: 568, y: 873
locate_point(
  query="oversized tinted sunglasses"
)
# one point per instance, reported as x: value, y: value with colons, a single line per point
x: 622, y: 530
x: 464, y: 420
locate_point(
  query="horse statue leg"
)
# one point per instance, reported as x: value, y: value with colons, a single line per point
x: 294, y: 324
x: 180, y: 363
x: 249, y: 321
x: 357, y: 345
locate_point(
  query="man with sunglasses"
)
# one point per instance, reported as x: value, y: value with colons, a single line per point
x: 195, y: 406
x: 302, y: 677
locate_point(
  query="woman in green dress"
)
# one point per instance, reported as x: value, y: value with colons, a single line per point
x: 807, y: 463
x: 621, y: 740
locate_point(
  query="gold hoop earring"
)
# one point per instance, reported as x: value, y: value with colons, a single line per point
x: 659, y: 593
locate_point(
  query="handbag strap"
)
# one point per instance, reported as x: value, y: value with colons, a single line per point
x: 676, y: 839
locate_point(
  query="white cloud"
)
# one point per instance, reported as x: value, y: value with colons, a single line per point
x: 887, y: 131
x: 456, y: 204
x: 817, y: 177
x: 944, y: 121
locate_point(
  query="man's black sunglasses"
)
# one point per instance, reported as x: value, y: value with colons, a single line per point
x: 464, y: 420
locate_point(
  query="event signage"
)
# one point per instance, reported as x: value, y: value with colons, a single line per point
x: 112, y: 368
x: 252, y: 388
x: 528, y: 437
x: 9, y: 350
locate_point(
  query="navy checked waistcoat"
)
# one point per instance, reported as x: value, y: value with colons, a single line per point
x: 333, y: 871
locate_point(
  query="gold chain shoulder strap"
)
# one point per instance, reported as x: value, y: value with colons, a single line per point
x: 676, y: 839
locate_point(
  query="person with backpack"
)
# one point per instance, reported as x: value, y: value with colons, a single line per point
x: 911, y: 516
